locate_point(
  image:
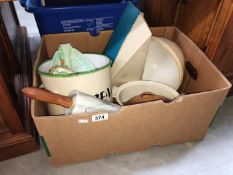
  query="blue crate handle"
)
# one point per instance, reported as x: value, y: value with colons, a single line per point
x: 23, y: 3
x: 35, y: 5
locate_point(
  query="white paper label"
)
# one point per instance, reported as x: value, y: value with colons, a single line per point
x: 83, y: 121
x: 88, y: 24
x: 99, y: 117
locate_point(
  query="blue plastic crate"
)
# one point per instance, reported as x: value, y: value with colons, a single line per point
x: 92, y: 18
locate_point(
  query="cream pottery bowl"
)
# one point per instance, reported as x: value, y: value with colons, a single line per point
x: 165, y: 63
x: 134, y: 88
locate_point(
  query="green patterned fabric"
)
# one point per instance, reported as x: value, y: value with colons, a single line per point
x: 68, y: 60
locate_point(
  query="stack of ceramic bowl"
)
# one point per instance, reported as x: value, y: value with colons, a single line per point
x: 162, y: 76
x: 165, y: 63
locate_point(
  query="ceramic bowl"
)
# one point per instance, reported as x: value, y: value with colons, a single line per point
x: 96, y: 82
x: 132, y: 89
x: 165, y: 63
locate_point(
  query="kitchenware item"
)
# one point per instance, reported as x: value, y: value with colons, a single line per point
x: 165, y: 63
x: 123, y: 28
x: 127, y: 91
x: 128, y: 46
x: 76, y: 103
x: 146, y: 97
x: 96, y: 82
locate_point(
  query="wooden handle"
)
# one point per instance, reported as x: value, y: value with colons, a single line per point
x: 47, y: 96
x: 145, y: 97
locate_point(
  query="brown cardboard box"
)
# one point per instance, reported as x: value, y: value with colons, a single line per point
x: 135, y: 127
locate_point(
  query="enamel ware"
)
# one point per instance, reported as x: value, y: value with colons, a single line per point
x: 96, y: 82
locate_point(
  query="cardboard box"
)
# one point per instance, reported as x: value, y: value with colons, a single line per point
x: 135, y: 127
